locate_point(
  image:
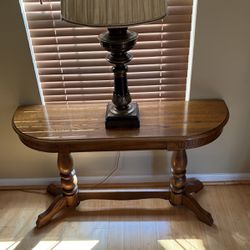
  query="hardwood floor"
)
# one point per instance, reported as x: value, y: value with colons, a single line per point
x: 120, y: 225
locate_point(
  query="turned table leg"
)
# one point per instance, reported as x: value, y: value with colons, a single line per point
x: 68, y: 179
x: 178, y: 179
x: 181, y: 188
x: 67, y: 195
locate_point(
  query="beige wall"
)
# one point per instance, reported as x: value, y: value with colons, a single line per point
x: 222, y: 70
x: 221, y: 64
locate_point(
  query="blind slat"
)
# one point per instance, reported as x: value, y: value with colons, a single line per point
x: 170, y: 2
x: 52, y: 63
x: 107, y: 69
x: 107, y: 97
x: 150, y: 36
x: 95, y: 48
x: 174, y: 7
x: 101, y: 54
x: 108, y: 90
x: 109, y: 83
x: 36, y: 16
x: 106, y: 76
x: 92, y: 42
x: 59, y: 24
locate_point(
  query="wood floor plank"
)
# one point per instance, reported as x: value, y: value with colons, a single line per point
x: 128, y: 225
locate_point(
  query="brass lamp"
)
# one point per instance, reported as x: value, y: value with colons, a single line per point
x: 116, y: 15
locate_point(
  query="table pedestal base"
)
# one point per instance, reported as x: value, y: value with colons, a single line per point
x: 185, y: 199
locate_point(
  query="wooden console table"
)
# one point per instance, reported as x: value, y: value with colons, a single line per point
x: 174, y: 126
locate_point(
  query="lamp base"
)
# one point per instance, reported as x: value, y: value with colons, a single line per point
x: 122, y: 119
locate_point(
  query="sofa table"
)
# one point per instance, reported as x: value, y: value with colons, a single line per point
x: 174, y: 126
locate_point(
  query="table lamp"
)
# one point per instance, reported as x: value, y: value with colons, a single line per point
x: 116, y: 15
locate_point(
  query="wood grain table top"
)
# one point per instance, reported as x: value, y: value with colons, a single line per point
x: 168, y: 125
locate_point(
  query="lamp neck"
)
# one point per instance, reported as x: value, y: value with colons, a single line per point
x: 118, y: 32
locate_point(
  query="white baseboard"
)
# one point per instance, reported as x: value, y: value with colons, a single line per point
x: 220, y: 177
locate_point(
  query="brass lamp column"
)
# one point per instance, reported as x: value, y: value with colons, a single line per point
x: 116, y: 15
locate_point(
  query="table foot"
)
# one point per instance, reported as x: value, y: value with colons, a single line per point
x: 56, y: 206
x: 193, y: 186
x: 204, y: 216
x: 181, y: 188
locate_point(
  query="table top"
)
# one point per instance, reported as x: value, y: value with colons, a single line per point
x: 171, y: 125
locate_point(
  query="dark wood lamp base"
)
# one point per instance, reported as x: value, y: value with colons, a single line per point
x: 127, y: 119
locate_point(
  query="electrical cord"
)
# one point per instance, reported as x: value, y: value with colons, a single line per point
x: 105, y: 178
x: 115, y: 168
x: 25, y: 190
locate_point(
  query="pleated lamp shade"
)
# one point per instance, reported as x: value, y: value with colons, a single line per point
x: 112, y: 13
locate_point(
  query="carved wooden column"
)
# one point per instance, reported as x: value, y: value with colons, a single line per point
x: 178, y: 179
x: 68, y: 179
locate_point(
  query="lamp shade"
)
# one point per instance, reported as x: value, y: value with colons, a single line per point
x: 112, y: 13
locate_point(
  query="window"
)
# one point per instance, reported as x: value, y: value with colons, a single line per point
x: 71, y: 64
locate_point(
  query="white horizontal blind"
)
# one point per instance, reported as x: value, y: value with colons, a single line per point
x: 72, y: 65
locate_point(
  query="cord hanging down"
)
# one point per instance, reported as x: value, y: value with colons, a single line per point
x: 115, y: 168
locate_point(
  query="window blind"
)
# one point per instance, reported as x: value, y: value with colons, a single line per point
x: 72, y: 65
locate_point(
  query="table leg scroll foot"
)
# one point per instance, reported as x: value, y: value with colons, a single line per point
x: 204, y: 216
x: 56, y: 206
x: 54, y: 190
x: 193, y: 186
